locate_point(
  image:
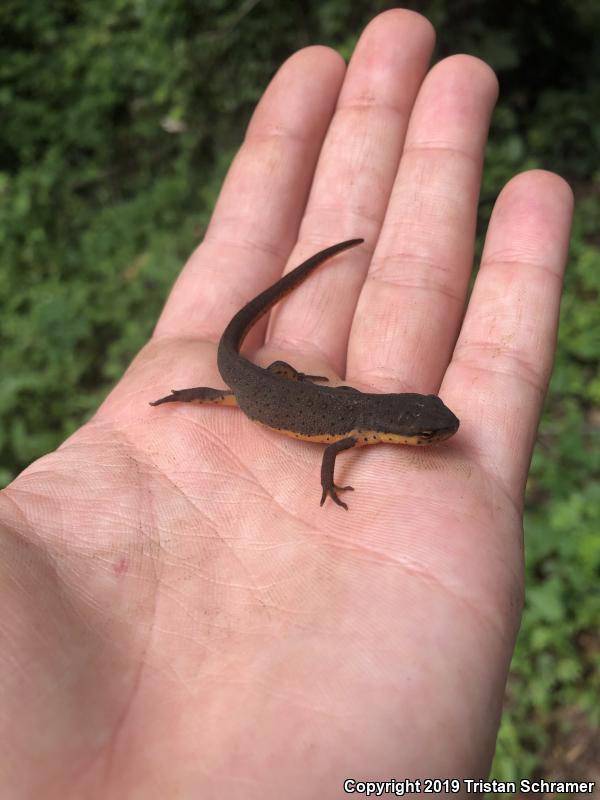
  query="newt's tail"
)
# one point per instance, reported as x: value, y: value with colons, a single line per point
x: 236, y: 331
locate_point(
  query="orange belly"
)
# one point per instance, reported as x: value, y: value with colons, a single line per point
x: 363, y: 437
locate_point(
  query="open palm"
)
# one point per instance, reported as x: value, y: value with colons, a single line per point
x: 180, y: 617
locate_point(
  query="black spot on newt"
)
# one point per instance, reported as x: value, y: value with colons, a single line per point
x: 289, y: 401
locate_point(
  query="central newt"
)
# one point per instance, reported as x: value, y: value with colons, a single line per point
x: 291, y: 402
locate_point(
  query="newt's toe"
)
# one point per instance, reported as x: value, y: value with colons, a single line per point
x: 332, y: 492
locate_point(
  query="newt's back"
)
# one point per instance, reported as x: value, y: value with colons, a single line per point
x: 300, y: 408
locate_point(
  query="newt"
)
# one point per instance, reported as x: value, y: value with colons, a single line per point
x: 293, y: 403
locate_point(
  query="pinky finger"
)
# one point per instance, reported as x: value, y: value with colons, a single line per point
x: 499, y: 373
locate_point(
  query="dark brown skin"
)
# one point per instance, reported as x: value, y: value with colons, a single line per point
x: 288, y: 401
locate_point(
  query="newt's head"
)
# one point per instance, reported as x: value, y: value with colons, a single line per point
x: 415, y: 419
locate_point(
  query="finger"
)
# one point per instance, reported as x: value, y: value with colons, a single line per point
x: 503, y: 358
x: 354, y: 178
x: 410, y: 309
x: 256, y: 219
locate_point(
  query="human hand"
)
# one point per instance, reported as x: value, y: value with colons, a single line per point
x: 181, y: 618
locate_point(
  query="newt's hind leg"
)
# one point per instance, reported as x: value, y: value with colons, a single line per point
x: 200, y: 394
x: 287, y: 371
x: 329, y: 487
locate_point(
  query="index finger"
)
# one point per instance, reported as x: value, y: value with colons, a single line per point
x: 255, y: 222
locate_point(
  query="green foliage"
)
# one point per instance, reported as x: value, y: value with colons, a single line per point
x: 118, y: 121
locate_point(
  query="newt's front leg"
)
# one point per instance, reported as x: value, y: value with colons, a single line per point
x: 327, y: 466
x: 199, y: 394
x: 286, y: 370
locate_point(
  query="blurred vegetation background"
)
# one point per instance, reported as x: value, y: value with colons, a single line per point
x: 118, y: 121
